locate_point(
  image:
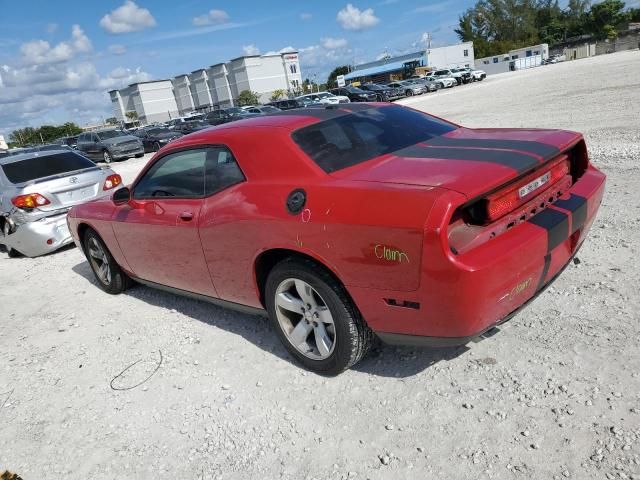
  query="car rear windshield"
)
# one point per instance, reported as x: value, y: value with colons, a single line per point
x: 45, y: 166
x: 354, y: 138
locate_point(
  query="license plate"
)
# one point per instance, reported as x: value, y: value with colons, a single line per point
x: 537, y: 183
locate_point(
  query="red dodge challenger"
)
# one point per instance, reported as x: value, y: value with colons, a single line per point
x: 350, y: 221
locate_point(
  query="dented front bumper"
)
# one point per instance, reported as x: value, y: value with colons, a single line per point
x: 39, y: 237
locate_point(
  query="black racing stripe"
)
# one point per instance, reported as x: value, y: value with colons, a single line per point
x: 518, y: 161
x: 543, y: 150
x: 577, y: 205
x: 556, y: 224
x: 545, y: 271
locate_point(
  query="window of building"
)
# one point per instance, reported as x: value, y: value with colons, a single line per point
x: 495, y: 59
x: 293, y: 68
x: 513, y: 57
x: 528, y: 53
x: 466, y: 53
x: 486, y: 62
x: 536, y: 52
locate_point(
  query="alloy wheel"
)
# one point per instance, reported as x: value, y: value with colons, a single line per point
x: 107, y: 156
x: 99, y: 261
x: 305, y: 319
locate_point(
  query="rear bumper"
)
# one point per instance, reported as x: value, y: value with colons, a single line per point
x: 41, y: 236
x: 462, y: 296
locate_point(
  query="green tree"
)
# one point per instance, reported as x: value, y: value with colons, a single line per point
x: 331, y: 81
x: 277, y: 95
x: 111, y: 121
x: 605, y: 18
x: 247, y: 97
x: 131, y: 115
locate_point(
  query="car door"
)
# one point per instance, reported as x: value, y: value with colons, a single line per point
x: 158, y: 229
x: 223, y: 229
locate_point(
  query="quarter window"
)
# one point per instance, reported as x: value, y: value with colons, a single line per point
x: 222, y: 171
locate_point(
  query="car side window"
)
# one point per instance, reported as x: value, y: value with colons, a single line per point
x: 222, y: 170
x: 179, y: 175
x: 94, y: 138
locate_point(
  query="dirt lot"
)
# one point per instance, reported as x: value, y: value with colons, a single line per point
x: 555, y: 394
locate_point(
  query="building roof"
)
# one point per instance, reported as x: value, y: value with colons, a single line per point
x: 149, y: 81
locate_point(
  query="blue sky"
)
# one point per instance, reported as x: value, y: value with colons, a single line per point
x: 58, y: 59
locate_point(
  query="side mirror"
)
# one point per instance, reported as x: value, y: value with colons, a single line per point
x: 121, y: 196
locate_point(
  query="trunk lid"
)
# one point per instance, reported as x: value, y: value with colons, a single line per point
x: 469, y: 161
x: 68, y: 189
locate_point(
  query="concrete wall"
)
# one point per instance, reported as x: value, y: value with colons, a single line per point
x: 219, y: 85
x: 200, y: 89
x: 451, y: 56
x: 157, y: 101
x: 182, y: 93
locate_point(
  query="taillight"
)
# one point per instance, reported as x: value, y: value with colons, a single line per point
x: 504, y: 201
x: 31, y: 200
x: 112, y: 181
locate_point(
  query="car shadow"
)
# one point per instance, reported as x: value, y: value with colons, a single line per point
x: 382, y: 360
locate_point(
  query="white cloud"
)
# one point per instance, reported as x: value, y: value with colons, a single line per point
x: 117, y: 49
x: 52, y: 28
x: 251, y: 50
x: 127, y: 18
x: 39, y: 52
x: 333, y: 43
x: 214, y: 17
x: 305, y: 16
x: 36, y: 94
x: 352, y: 18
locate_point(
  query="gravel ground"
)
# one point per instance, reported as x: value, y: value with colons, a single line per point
x: 555, y: 394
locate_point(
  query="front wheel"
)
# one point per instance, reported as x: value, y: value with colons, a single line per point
x: 110, y: 276
x: 314, y: 317
x: 409, y: 93
x: 106, y: 156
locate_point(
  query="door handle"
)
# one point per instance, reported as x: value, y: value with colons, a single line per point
x: 186, y: 216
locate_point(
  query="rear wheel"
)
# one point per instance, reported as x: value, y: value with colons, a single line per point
x: 106, y: 156
x: 314, y: 317
x: 409, y: 93
x: 110, y: 276
x: 439, y: 86
x: 6, y: 230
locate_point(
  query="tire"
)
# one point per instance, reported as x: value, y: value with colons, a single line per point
x: 352, y: 338
x: 439, y: 86
x: 115, y: 281
x: 409, y: 93
x: 139, y: 155
x: 106, y: 156
x: 12, y: 252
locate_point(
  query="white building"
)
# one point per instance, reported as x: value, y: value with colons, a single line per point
x: 517, y: 59
x: 153, y: 101
x: 209, y: 88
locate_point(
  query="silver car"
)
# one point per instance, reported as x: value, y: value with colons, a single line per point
x: 36, y: 191
x: 108, y: 145
x: 409, y: 88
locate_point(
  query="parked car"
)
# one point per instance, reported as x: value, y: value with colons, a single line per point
x: 288, y: 104
x: 263, y: 109
x: 71, y: 141
x: 354, y: 94
x: 429, y: 86
x: 476, y: 74
x: 409, y: 88
x: 325, y: 98
x: 480, y: 222
x: 226, y: 115
x: 434, y: 83
x: 154, y: 138
x: 191, y: 126
x: 109, y: 145
x: 37, y: 189
x: 443, y: 73
x: 464, y: 74
x: 383, y: 92
x: 446, y: 81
